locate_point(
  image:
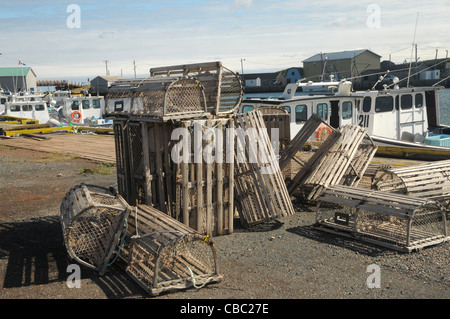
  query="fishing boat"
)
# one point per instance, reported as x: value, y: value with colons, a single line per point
x: 29, y: 105
x: 80, y: 109
x: 319, y: 87
x: 403, y: 122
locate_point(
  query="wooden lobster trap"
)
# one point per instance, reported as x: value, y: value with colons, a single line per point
x: 156, y: 98
x: 261, y: 193
x: 92, y: 223
x: 191, y: 190
x: 164, y: 254
x: 342, y: 159
x: 429, y: 180
x: 396, y: 221
x: 223, y: 87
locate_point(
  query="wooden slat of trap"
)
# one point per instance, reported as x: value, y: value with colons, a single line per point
x: 262, y: 195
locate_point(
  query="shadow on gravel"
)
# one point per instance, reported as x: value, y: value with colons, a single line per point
x: 36, y: 255
x: 261, y: 227
x: 347, y: 243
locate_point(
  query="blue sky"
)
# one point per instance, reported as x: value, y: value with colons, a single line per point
x: 269, y: 35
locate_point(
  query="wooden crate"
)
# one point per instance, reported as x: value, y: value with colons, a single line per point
x: 163, y: 254
x: 92, y: 221
x: 395, y: 221
x: 261, y: 193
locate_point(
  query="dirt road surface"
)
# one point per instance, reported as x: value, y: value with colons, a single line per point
x: 284, y: 259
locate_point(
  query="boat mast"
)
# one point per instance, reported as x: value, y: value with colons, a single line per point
x: 413, y: 45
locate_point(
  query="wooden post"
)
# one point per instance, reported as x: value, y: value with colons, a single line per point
x: 219, y: 169
x: 146, y: 159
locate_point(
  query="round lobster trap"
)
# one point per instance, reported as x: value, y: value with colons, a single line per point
x: 165, y: 254
x: 92, y: 223
x: 157, y: 97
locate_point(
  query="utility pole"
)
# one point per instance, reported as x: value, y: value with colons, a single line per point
x: 134, y: 66
x: 242, y: 66
x: 106, y: 63
x: 416, y: 53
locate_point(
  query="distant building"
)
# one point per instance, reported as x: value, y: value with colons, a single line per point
x: 430, y: 75
x: 344, y: 64
x: 16, y: 79
x: 260, y: 79
x: 293, y: 75
x: 100, y: 84
x: 264, y: 82
x: 253, y: 82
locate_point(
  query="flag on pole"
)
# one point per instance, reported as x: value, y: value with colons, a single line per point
x: 21, y: 63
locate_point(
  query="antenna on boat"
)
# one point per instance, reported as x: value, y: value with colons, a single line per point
x: 379, y: 80
x: 413, y: 45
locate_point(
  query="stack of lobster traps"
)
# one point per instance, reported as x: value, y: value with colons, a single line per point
x: 183, y: 156
x: 176, y: 136
x: 188, y: 163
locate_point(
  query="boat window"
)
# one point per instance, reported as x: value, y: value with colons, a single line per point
x: 96, y: 104
x: 406, y: 102
x: 27, y: 108
x: 75, y: 105
x: 301, y: 113
x: 15, y: 108
x: 367, y: 104
x: 247, y: 108
x: 384, y: 104
x: 322, y: 111
x: 419, y: 100
x: 39, y: 107
x: 288, y: 109
x: 2, y: 101
x: 347, y: 110
x: 118, y: 106
x: 85, y: 104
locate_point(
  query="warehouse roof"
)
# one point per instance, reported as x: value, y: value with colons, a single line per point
x: 337, y: 55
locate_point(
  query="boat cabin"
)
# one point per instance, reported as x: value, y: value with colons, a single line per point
x: 337, y: 110
x: 82, y: 109
x: 28, y: 109
x: 407, y: 114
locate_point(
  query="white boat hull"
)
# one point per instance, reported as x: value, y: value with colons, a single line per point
x: 405, y: 149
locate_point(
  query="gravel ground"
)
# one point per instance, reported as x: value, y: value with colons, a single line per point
x: 284, y: 259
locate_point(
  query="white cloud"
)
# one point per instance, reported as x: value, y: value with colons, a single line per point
x: 269, y: 34
x: 243, y: 3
